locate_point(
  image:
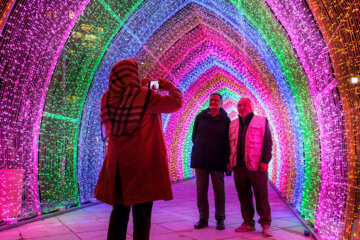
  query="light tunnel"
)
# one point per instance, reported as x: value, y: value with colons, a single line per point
x: 294, y: 58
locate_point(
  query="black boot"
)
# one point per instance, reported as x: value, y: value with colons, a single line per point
x: 220, y: 225
x: 201, y: 224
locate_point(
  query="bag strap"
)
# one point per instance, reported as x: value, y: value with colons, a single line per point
x: 146, y: 104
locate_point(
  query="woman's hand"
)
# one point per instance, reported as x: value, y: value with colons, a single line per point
x: 165, y: 84
x: 263, y: 167
x: 229, y: 167
x: 144, y: 82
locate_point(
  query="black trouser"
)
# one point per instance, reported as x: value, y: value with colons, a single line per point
x: 202, y: 185
x: 119, y: 219
x: 244, y: 180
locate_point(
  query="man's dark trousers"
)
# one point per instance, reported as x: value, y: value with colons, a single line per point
x: 244, y: 179
x: 202, y: 185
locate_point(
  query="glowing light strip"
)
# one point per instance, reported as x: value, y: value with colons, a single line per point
x: 60, y: 117
x: 41, y: 105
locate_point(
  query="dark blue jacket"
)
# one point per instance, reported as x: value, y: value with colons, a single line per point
x: 211, y: 149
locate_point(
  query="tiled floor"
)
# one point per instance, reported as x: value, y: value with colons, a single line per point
x: 171, y: 220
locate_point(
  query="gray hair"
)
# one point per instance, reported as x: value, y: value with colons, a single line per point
x: 252, y: 104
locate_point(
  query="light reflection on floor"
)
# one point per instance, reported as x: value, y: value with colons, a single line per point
x: 170, y: 220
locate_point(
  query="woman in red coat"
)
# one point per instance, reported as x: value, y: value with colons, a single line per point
x: 135, y: 170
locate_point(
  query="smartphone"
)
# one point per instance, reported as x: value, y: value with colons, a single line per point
x: 154, y: 85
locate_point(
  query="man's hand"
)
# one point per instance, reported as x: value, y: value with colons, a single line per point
x: 165, y: 84
x: 263, y: 167
x: 229, y: 167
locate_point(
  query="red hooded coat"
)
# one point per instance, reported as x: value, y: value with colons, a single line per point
x: 135, y: 169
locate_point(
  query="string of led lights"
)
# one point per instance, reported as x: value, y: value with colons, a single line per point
x: 294, y: 57
x: 339, y: 23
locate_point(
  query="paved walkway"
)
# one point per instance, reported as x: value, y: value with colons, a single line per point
x: 171, y: 220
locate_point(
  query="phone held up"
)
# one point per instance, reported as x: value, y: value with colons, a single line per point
x: 153, y: 85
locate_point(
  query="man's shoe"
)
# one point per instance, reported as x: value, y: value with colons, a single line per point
x: 220, y: 225
x: 245, y: 228
x: 201, y: 224
x: 266, y: 231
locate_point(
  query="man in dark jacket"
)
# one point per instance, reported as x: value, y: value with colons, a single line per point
x: 209, y: 156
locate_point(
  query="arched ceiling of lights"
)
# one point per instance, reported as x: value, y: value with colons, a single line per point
x: 295, y: 58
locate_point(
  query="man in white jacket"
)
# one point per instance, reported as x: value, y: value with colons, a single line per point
x: 251, y: 145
